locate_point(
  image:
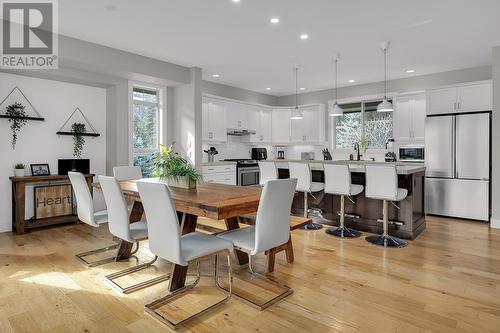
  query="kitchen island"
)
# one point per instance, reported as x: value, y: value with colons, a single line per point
x: 365, y: 214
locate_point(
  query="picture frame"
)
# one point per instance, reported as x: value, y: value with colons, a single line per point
x: 40, y: 170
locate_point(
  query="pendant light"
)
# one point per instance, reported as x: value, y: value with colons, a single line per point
x: 385, y: 105
x: 296, y: 112
x: 335, y: 110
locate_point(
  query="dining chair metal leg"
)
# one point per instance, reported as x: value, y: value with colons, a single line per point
x: 151, y: 308
x: 288, y: 291
x: 138, y: 286
x: 81, y: 256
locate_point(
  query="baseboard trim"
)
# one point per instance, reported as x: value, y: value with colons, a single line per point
x: 495, y: 223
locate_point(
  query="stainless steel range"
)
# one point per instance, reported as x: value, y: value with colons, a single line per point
x: 247, y: 171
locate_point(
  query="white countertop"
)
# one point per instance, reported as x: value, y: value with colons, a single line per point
x: 403, y: 168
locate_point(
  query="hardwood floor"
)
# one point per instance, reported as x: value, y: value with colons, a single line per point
x: 448, y: 280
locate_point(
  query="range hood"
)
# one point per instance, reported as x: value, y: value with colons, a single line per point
x: 239, y: 132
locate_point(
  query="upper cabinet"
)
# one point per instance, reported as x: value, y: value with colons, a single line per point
x: 213, y: 120
x: 260, y: 120
x: 409, y: 119
x: 237, y: 115
x: 281, y: 125
x: 466, y: 98
x: 311, y: 128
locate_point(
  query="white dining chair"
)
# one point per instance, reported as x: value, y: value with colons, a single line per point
x: 165, y: 240
x: 127, y: 173
x: 267, y: 172
x: 382, y: 184
x: 272, y: 229
x: 86, y: 214
x: 119, y: 226
x: 338, y: 182
x: 302, y: 172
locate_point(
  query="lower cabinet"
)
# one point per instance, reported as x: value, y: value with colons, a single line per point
x: 221, y: 174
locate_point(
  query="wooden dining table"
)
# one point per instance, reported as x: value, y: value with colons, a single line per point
x: 214, y: 201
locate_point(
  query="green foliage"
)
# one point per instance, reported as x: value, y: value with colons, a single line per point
x: 363, y: 145
x: 78, y: 129
x: 17, y: 120
x: 19, y: 166
x: 170, y: 164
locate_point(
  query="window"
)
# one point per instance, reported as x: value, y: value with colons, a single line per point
x: 361, y: 120
x: 348, y: 126
x: 146, y: 127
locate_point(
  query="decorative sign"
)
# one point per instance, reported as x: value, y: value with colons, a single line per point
x: 53, y: 200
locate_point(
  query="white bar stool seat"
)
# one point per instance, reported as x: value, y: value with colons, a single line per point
x: 165, y: 240
x: 267, y: 172
x: 121, y: 228
x: 338, y: 182
x: 382, y: 184
x: 302, y: 172
x: 272, y: 229
x: 86, y: 214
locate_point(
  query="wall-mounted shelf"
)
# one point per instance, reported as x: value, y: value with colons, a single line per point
x: 37, y: 116
x: 81, y: 134
x: 27, y: 118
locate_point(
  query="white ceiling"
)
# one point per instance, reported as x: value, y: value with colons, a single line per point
x: 237, y: 41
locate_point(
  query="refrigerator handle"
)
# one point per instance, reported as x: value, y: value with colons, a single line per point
x: 453, y: 157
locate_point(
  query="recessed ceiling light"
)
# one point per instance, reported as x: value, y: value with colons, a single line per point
x: 410, y: 71
x: 351, y: 81
x: 274, y: 20
x: 268, y: 88
x: 302, y: 88
x: 236, y: 0
x: 215, y: 75
x: 304, y: 36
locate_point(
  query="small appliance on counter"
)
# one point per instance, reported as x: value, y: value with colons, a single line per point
x: 211, y: 153
x: 412, y: 154
x: 281, y: 154
x: 326, y: 155
x: 390, y: 155
x: 307, y: 156
x: 259, y: 154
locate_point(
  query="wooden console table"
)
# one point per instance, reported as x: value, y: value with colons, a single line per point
x: 19, y: 224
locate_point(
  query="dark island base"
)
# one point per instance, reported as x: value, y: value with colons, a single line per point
x: 409, y: 219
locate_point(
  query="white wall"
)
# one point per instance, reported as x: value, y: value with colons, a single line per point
x: 38, y: 142
x: 495, y: 170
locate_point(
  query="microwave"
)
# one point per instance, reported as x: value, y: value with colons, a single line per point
x: 412, y: 154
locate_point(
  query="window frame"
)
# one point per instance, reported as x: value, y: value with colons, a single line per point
x: 332, y: 123
x: 161, y: 114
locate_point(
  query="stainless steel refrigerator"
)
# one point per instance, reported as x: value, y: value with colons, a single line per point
x: 457, y: 149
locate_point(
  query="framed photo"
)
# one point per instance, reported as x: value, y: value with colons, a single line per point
x: 40, y: 170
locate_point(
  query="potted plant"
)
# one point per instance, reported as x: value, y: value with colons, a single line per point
x: 175, y: 170
x: 19, y: 170
x: 78, y: 130
x: 17, y: 119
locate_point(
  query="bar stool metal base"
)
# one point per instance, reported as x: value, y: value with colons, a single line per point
x: 386, y: 241
x: 313, y: 226
x: 342, y: 232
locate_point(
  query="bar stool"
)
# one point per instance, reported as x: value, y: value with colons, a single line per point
x: 302, y: 172
x: 86, y: 214
x: 166, y: 241
x: 127, y: 173
x: 268, y: 171
x: 272, y: 229
x: 120, y: 227
x: 382, y: 184
x: 338, y: 182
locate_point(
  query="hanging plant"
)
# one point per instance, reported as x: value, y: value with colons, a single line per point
x: 17, y: 119
x: 78, y: 130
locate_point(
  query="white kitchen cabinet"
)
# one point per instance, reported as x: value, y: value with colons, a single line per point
x: 260, y: 120
x: 213, y: 121
x: 221, y: 174
x: 464, y: 98
x: 237, y: 115
x: 281, y: 125
x: 409, y: 119
x: 475, y: 97
x: 311, y: 128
